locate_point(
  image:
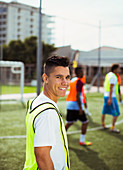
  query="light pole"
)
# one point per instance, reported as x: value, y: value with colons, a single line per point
x: 1, y: 42
x: 39, y: 52
x: 99, y: 58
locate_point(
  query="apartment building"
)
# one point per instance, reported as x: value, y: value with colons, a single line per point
x: 18, y: 21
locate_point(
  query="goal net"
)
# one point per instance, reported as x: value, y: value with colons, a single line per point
x: 11, y: 80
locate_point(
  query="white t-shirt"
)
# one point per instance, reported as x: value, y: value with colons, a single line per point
x: 113, y: 80
x: 47, y: 132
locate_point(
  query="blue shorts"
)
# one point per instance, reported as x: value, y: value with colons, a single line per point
x: 113, y: 109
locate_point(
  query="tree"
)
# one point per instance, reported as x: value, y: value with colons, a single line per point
x: 30, y: 49
x: 15, y: 51
x: 26, y: 51
x: 47, y: 50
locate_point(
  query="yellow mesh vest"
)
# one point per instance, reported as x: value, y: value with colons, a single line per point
x: 107, y: 82
x: 31, y: 163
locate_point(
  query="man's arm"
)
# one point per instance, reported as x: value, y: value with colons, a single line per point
x: 79, y: 103
x: 120, y: 96
x: 110, y: 94
x: 79, y: 87
x: 43, y: 158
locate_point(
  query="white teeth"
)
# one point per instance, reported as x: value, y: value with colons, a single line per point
x: 63, y: 88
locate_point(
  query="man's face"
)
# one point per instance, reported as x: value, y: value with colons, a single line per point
x: 57, y: 82
x: 117, y: 70
x: 80, y: 74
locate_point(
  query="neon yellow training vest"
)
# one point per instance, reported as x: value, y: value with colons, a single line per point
x: 107, y: 82
x: 31, y: 115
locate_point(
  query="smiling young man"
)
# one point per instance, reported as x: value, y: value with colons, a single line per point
x: 47, y: 147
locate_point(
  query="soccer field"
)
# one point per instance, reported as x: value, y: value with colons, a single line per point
x: 106, y: 153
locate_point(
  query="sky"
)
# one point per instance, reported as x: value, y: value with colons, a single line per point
x: 84, y: 24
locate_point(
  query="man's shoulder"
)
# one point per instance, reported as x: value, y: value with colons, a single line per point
x: 79, y: 82
x: 42, y: 100
x: 111, y: 75
x: 74, y: 79
x: 38, y: 101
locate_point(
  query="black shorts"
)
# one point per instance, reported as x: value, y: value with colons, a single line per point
x: 73, y: 116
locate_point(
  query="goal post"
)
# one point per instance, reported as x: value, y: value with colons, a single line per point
x: 15, y: 68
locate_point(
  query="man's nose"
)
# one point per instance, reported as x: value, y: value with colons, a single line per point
x: 64, y: 80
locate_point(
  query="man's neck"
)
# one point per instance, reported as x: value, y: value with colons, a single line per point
x: 49, y: 95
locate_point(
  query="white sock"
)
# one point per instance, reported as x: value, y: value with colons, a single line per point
x: 82, y: 138
x: 86, y: 111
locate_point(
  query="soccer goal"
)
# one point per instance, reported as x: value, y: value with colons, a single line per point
x: 11, y: 79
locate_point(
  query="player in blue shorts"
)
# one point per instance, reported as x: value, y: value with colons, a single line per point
x: 110, y: 105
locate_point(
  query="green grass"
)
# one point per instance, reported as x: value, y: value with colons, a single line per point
x: 104, y: 154
x: 7, y: 89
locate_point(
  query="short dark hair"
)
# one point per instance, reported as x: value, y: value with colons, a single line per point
x: 114, y: 66
x: 78, y: 69
x: 55, y: 61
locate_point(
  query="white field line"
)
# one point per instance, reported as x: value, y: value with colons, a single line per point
x: 13, y: 137
x: 93, y: 129
x: 68, y: 133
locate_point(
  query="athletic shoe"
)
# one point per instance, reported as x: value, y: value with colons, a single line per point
x: 121, y: 102
x: 115, y: 130
x: 86, y: 143
x: 88, y: 113
x: 105, y: 127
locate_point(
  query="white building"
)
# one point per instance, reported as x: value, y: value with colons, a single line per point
x: 18, y: 21
x: 90, y: 60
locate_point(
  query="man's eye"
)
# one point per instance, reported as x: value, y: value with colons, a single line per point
x: 68, y: 77
x: 58, y: 77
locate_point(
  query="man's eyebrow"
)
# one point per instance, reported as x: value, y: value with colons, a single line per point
x: 58, y: 75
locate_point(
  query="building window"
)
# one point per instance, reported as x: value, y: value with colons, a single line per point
x: 4, y: 16
x: 4, y: 22
x: 18, y: 36
x: 19, y: 17
x: 95, y: 70
x: 87, y: 71
x: 19, y: 9
x: 4, y: 35
x: 31, y: 13
x: 18, y: 30
x: 4, y: 41
x: 3, y: 9
x: 19, y: 23
x: 31, y: 26
x: 4, y: 29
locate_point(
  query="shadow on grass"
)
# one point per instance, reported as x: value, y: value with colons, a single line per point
x: 89, y: 157
x: 93, y: 124
x: 117, y: 135
x: 77, y: 125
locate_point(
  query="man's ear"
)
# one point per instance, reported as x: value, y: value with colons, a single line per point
x: 45, y: 78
